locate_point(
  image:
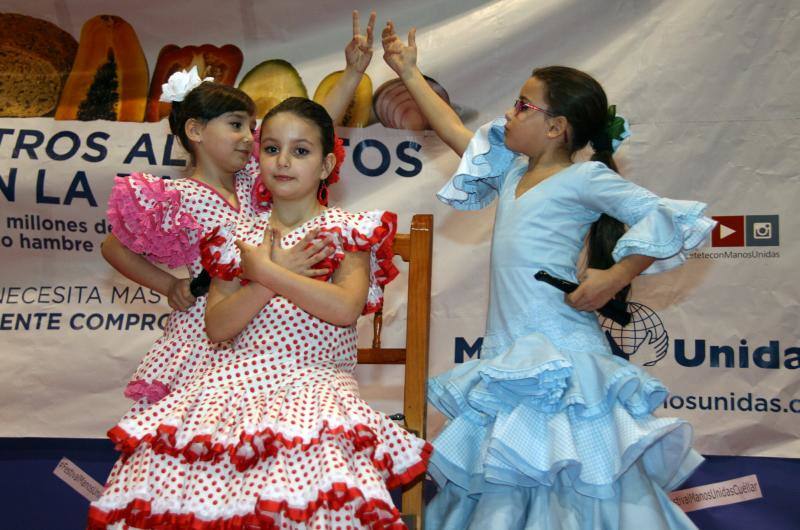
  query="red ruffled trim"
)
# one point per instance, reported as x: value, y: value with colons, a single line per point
x: 331, y: 263
x: 401, y: 479
x: 138, y: 514
x: 201, y: 448
x: 210, y: 256
x: 141, y: 229
x: 381, y: 240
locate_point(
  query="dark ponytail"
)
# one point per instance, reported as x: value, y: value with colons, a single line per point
x: 583, y: 102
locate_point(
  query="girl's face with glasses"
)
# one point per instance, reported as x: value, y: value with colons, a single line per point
x: 528, y: 120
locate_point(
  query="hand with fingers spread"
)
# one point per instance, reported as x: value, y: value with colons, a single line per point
x: 597, y: 287
x: 180, y: 296
x: 302, y: 257
x: 402, y: 58
x: 256, y: 258
x: 358, y: 52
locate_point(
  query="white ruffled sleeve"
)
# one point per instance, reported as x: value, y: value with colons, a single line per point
x: 665, y: 229
x: 482, y: 170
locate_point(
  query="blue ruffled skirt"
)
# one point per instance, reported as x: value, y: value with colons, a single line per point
x: 541, y: 438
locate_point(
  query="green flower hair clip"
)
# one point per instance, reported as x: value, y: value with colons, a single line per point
x: 617, y: 128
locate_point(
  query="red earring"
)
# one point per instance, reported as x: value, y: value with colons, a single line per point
x: 322, y: 193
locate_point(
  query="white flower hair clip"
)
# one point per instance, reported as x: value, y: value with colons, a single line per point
x: 179, y: 84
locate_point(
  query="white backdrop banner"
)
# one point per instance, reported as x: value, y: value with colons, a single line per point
x: 712, y: 91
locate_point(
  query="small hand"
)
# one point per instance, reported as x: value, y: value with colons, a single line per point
x: 400, y: 57
x: 597, y: 287
x: 302, y: 257
x: 255, y: 258
x: 358, y: 52
x: 179, y: 296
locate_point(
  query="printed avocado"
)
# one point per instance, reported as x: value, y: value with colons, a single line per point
x: 271, y: 82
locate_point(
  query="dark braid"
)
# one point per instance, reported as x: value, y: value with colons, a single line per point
x: 582, y: 101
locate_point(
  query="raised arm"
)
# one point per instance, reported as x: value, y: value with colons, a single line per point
x: 402, y: 58
x: 136, y: 268
x: 358, y: 54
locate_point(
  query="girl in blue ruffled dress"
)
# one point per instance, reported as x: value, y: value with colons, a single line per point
x: 550, y: 430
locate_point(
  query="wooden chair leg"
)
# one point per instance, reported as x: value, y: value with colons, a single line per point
x: 413, y: 506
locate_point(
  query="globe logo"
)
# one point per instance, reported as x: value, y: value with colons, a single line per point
x: 645, y: 328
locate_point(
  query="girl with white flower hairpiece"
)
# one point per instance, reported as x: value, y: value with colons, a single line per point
x: 161, y: 221
x: 273, y: 433
x: 549, y: 429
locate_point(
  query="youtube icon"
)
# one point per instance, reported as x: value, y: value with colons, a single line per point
x: 729, y: 231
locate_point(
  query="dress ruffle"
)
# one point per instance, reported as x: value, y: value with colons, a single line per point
x: 638, y: 503
x: 219, y: 255
x: 249, y: 427
x: 668, y: 232
x: 163, y: 494
x: 146, y: 215
x: 268, y: 515
x: 248, y: 421
x: 483, y: 167
x: 372, y: 232
x: 534, y: 413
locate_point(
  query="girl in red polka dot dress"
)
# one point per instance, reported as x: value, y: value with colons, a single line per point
x: 160, y: 221
x: 276, y: 436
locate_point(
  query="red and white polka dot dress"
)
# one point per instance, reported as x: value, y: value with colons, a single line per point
x: 275, y: 434
x: 163, y: 220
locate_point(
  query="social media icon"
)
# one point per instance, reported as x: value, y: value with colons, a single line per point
x: 729, y: 231
x: 762, y: 230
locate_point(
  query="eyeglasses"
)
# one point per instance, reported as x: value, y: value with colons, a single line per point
x: 520, y: 106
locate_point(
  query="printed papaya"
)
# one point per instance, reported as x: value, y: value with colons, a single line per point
x: 109, y: 78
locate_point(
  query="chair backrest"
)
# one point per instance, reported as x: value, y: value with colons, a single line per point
x: 416, y: 248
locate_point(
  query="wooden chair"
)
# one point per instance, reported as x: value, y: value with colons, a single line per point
x: 416, y: 248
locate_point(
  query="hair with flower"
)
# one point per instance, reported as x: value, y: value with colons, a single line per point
x: 201, y: 100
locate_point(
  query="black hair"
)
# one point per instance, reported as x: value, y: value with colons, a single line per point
x: 315, y: 113
x: 582, y: 101
x: 309, y: 110
x: 203, y: 103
